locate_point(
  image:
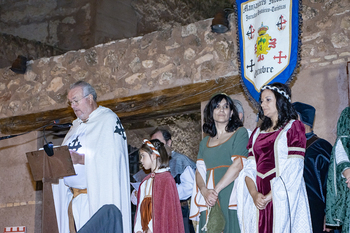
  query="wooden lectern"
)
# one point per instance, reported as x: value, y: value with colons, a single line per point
x: 49, y: 169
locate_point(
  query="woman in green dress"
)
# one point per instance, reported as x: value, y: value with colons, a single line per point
x: 338, y: 182
x: 219, y: 153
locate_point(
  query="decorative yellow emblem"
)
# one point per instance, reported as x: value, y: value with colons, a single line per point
x: 263, y: 41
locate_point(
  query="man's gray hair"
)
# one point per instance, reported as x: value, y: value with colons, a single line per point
x: 87, y: 89
x: 239, y: 107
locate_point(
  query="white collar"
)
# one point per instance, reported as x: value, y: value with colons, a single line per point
x: 162, y: 170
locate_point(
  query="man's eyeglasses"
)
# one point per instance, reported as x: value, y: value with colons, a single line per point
x: 76, y: 102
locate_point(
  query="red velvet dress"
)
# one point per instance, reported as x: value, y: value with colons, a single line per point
x: 264, y: 152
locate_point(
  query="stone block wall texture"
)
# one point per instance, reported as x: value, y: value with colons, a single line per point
x: 157, y: 15
x: 83, y: 24
x: 61, y: 26
x: 68, y: 25
x: 12, y: 46
x: 114, y: 20
x: 159, y: 60
x: 185, y: 130
x: 65, y: 24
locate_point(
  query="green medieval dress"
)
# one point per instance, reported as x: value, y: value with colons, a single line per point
x: 218, y: 158
x: 338, y: 194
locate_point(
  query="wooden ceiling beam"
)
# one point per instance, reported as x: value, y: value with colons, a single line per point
x: 135, y: 108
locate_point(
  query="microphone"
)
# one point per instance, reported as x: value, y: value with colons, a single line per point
x: 54, y: 122
x: 9, y: 136
x: 48, y: 147
x: 62, y: 126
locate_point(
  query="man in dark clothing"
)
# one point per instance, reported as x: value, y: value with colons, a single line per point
x: 316, y: 162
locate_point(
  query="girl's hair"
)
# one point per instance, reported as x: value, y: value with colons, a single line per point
x: 285, y: 109
x: 209, y: 123
x: 162, y: 161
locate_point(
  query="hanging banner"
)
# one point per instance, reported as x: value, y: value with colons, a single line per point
x: 268, y: 34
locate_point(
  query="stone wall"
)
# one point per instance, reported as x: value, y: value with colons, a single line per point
x: 185, y: 130
x: 65, y: 24
x: 68, y: 25
x: 12, y: 46
x: 42, y: 28
x: 165, y: 59
x: 114, y: 20
x: 122, y: 68
x: 157, y: 15
x: 83, y: 24
x: 326, y: 33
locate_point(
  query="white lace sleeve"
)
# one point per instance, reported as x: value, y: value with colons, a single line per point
x: 340, y: 153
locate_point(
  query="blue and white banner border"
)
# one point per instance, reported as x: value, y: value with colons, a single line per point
x: 268, y: 35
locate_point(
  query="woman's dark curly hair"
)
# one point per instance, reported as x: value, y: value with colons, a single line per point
x: 209, y: 123
x: 285, y: 109
x: 163, y: 159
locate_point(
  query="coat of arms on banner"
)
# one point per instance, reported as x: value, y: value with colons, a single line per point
x: 268, y: 34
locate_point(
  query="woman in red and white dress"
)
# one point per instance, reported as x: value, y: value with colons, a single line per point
x: 271, y: 193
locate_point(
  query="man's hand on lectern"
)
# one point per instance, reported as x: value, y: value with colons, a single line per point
x: 76, y: 157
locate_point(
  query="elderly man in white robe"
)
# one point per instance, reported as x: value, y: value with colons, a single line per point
x: 98, y: 147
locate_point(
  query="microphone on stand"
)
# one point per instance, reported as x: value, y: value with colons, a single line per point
x: 54, y: 122
x: 48, y: 147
